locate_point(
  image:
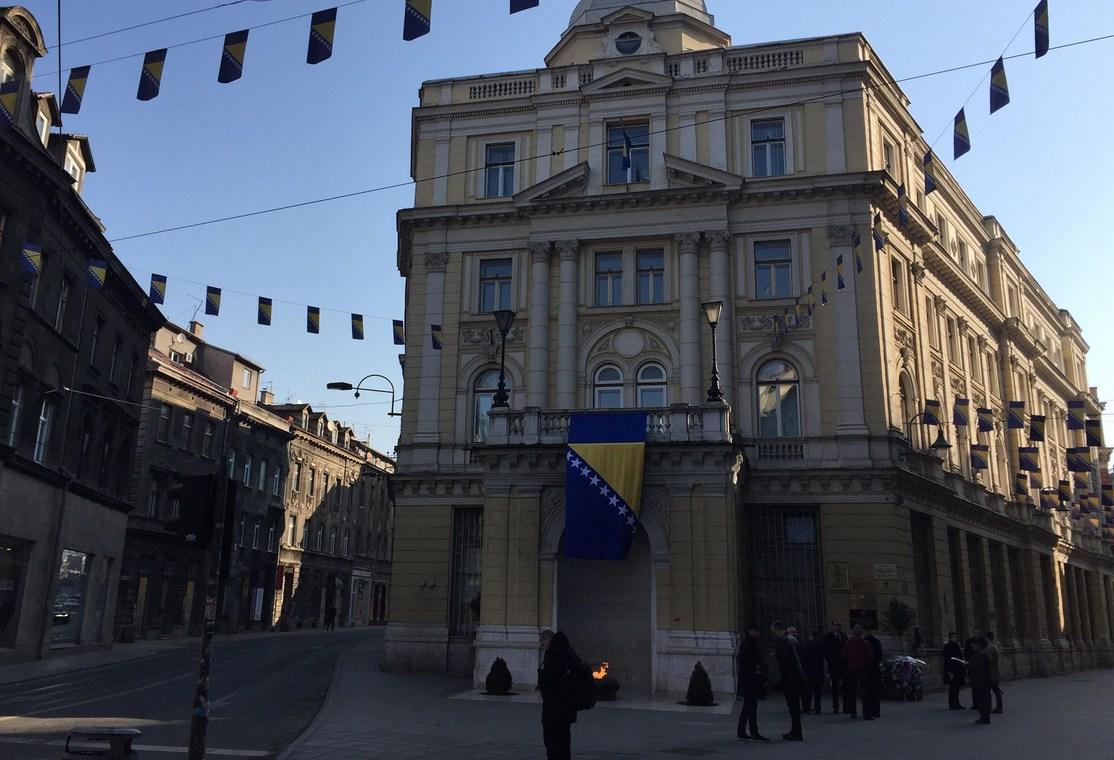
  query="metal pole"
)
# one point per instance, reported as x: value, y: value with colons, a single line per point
x: 715, y: 393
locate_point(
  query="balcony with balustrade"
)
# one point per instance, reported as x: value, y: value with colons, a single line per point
x: 679, y: 423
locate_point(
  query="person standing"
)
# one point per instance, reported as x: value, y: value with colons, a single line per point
x: 814, y: 671
x: 955, y: 670
x: 555, y: 683
x: 992, y: 652
x: 969, y: 652
x: 752, y: 684
x: 834, y: 641
x: 857, y: 656
x: 792, y: 677
x: 978, y: 671
x: 872, y: 705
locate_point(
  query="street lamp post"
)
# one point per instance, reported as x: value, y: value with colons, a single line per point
x: 504, y: 318
x: 712, y: 310
x: 343, y: 386
x: 940, y: 446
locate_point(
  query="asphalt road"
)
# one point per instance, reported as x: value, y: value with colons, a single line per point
x: 264, y: 691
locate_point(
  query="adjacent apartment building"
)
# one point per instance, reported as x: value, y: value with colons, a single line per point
x: 652, y: 167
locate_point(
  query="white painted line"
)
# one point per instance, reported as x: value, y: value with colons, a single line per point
x: 32, y: 713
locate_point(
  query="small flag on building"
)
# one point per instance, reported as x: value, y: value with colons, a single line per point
x: 232, y: 57
x: 878, y: 233
x: 157, y: 293
x: 98, y: 273
x: 417, y: 20
x: 1040, y: 28
x: 9, y: 99
x: 75, y: 89
x: 627, y: 147
x: 357, y: 327
x: 322, y: 25
x: 1081, y: 480
x: 961, y: 139
x: 1094, y: 432
x: 1036, y: 427
x: 961, y: 413
x: 1076, y: 413
x: 823, y: 290
x: 399, y: 331
x: 1021, y: 484
x: 1028, y: 458
x: 313, y: 320
x: 931, y: 415
x: 986, y: 420
x: 263, y: 315
x: 856, y: 241
x: 840, y: 284
x: 902, y: 205
x: 212, y: 301
x: 521, y: 5
x: 435, y: 337
x: 1048, y: 500
x: 929, y: 173
x: 1015, y: 416
x: 1063, y: 490
x: 150, y: 77
x: 1079, y: 459
x: 980, y: 456
x: 999, y: 87
x: 1036, y: 480
x: 31, y: 259
x: 1107, y: 495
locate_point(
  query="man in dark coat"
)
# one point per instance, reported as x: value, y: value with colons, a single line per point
x: 752, y: 683
x: 833, y: 657
x: 792, y: 677
x: 969, y: 652
x: 555, y: 683
x: 955, y: 670
x: 858, y: 658
x: 872, y: 705
x: 978, y: 671
x: 814, y: 671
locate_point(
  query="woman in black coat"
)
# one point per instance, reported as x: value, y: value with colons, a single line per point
x: 555, y: 683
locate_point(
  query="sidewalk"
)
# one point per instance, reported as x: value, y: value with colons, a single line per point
x: 370, y: 714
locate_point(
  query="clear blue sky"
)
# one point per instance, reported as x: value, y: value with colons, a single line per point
x: 288, y: 132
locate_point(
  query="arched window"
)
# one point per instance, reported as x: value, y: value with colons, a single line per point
x: 779, y: 406
x: 651, y: 386
x: 607, y: 388
x: 483, y: 396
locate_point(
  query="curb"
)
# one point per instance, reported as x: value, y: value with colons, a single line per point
x: 322, y: 711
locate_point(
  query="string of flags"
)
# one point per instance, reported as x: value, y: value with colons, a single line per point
x: 418, y: 16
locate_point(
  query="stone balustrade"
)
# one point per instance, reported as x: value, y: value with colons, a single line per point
x: 679, y: 423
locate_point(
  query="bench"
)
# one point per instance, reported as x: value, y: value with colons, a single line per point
x: 107, y: 743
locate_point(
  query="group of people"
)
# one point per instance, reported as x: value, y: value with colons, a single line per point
x: 975, y: 664
x: 851, y: 663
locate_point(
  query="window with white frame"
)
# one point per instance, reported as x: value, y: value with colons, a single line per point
x: 72, y: 166
x: 483, y: 396
x: 296, y: 481
x: 779, y: 410
x: 495, y: 284
x: 63, y: 304
x: 651, y: 276
x: 14, y: 418
x: 651, y: 386
x: 933, y: 322
x: 153, y: 493
x: 973, y: 363
x: 628, y: 153
x: 175, y: 507
x: 261, y: 484
x: 276, y: 479
x: 243, y: 537
x: 899, y: 285
x: 499, y: 170
x: 767, y: 147
x: 320, y: 537
x: 270, y: 535
x: 166, y: 413
x: 609, y: 278
x: 42, y: 127
x: 187, y: 431
x: 889, y: 156
x: 255, y: 532
x: 952, y: 334
x: 247, y: 471
x: 347, y: 541
x: 607, y: 388
x: 333, y: 540
x: 246, y: 379
x: 772, y: 269
x: 232, y: 463
x: 293, y: 530
x: 207, y: 439
x: 964, y: 257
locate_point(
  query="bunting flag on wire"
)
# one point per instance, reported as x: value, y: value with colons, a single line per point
x: 399, y: 330
x: 986, y: 420
x: 313, y: 320
x: 1028, y: 458
x: 1036, y: 427
x: 416, y: 22
x: 9, y: 98
x: 1107, y: 495
x: 212, y: 301
x: 97, y: 272
x: 150, y: 77
x: 902, y: 205
x: 961, y: 413
x: 980, y: 456
x: 1021, y: 484
x: 823, y: 290
x: 157, y: 293
x: 357, y: 327
x: 521, y: 5
x: 1063, y: 490
x: 1036, y: 480
x: 75, y: 89
x: 1015, y: 416
x: 322, y: 25
x: 929, y: 173
x: 931, y: 414
x: 840, y: 284
x: 1076, y: 411
x: 1079, y: 459
x: 31, y: 259
x: 263, y: 313
x: 435, y: 337
x: 878, y: 233
x: 999, y: 87
x: 961, y: 139
x: 232, y: 57
x: 1094, y: 432
x: 1040, y: 28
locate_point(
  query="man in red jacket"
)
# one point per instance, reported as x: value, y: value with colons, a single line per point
x: 859, y: 658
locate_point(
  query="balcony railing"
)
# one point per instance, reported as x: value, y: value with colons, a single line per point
x: 679, y: 423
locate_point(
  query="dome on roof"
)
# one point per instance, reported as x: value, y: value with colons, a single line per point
x: 591, y: 11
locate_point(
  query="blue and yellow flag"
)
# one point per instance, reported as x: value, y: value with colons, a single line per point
x: 1048, y: 500
x: 1079, y: 459
x: 1015, y: 416
x: 1040, y: 28
x: 1036, y: 427
x: 961, y: 412
x: 31, y: 259
x: 212, y: 301
x: 417, y: 20
x: 75, y: 89
x: 313, y: 319
x: 264, y: 312
x: 840, y: 284
x: 97, y: 272
x: 986, y: 420
x: 9, y: 99
x: 1036, y: 480
x: 1081, y: 480
x: 1063, y: 490
x: 399, y: 331
x: 1107, y: 495
x: 999, y: 87
x: 150, y: 78
x: 357, y: 327
x: 1094, y: 432
x: 902, y: 205
x: 603, y: 484
x: 856, y: 241
x: 1028, y: 458
x: 1021, y: 484
x: 232, y: 57
x: 435, y: 337
x: 1076, y: 414
x: 961, y: 139
x: 980, y: 456
x: 521, y: 5
x: 321, y: 27
x: 931, y: 415
x: 823, y: 290
x: 879, y: 235
x: 157, y: 293
x: 929, y: 173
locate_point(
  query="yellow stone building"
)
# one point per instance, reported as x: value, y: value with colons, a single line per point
x: 652, y: 167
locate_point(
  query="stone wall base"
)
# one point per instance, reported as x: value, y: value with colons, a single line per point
x: 415, y: 648
x: 679, y: 651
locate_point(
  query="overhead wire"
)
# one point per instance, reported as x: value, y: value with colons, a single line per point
x: 152, y: 22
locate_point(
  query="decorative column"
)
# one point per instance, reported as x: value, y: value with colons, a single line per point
x: 720, y: 289
x: 429, y: 386
x: 849, y: 374
x: 569, y: 253
x: 687, y: 243
x: 537, y: 349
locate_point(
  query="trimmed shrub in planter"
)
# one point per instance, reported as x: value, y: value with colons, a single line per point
x: 498, y: 678
x: 700, y: 688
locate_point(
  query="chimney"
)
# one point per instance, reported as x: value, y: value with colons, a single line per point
x: 266, y: 397
x: 197, y: 329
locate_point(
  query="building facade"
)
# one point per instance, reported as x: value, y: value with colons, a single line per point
x: 652, y: 167
x: 72, y: 344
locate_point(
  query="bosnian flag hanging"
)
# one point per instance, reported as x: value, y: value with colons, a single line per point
x: 603, y: 484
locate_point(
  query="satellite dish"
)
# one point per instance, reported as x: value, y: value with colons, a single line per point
x: 179, y: 338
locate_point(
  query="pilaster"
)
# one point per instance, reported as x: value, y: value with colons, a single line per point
x: 849, y: 373
x: 689, y: 328
x: 569, y: 253
x: 537, y: 352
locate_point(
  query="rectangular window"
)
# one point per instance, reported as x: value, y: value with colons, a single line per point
x: 1015, y: 309
x: 175, y: 507
x: 889, y: 160
x: 207, y: 439
x: 243, y: 531
x: 63, y: 303
x: 609, y: 279
x: 293, y: 530
x: 767, y: 147
x: 953, y: 340
x: 345, y: 544
x: 320, y: 537
x: 131, y: 375
x: 933, y: 322
x: 246, y: 379
x: 231, y: 464
x: 897, y: 280
x: 495, y: 284
x: 255, y: 532
x: 973, y: 363
x: 312, y: 490
x: 464, y: 578
x: 628, y: 153
x: 98, y: 326
x: 13, y: 420
x: 964, y: 257
x: 297, y: 480
x: 247, y: 471
x: 166, y: 414
x: 153, y: 499
x: 651, y: 277
x: 327, y: 497
x: 276, y: 481
x: 271, y: 536
x: 772, y: 263
x: 36, y: 282
x: 187, y: 431
x: 261, y: 484
x: 499, y: 170
x: 305, y: 534
x: 117, y: 347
